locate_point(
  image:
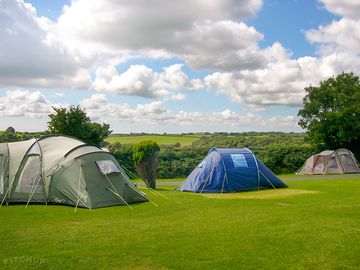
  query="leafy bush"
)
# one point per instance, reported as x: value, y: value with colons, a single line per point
x: 145, y: 155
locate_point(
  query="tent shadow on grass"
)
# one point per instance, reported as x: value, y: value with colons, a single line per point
x: 261, y: 194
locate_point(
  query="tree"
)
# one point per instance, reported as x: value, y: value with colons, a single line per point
x: 145, y: 155
x: 331, y: 113
x: 124, y: 154
x: 10, y: 130
x: 9, y: 135
x: 74, y: 122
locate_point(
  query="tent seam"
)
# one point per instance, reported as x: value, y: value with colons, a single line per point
x: 257, y: 166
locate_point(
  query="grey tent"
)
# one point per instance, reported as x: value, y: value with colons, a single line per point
x: 331, y: 162
x: 63, y: 170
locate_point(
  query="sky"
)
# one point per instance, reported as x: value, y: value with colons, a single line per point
x: 172, y: 66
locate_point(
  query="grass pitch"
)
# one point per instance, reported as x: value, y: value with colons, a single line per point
x: 318, y: 229
x: 261, y: 195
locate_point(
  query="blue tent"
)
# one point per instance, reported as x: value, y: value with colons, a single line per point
x: 231, y: 170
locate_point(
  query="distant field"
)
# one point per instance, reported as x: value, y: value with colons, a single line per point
x: 184, y: 140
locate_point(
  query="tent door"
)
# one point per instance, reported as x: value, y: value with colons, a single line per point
x: 103, y: 190
x: 2, y: 175
x: 29, y: 183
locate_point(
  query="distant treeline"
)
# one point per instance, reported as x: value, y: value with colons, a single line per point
x: 10, y: 135
x: 282, y: 152
x: 247, y: 133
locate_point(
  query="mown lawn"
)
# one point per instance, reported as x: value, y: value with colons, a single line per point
x: 318, y: 229
x: 184, y: 140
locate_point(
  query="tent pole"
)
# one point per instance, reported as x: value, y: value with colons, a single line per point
x: 314, y: 162
x: 136, y: 177
x: 353, y: 159
x: 147, y: 198
x: 33, y: 188
x: 258, y: 172
x: 339, y: 161
x: 7, y: 177
x: 158, y: 193
x: 326, y: 162
x: 126, y: 170
x: 7, y: 192
x: 79, y: 196
x: 130, y: 173
x: 268, y: 180
x: 43, y: 176
x: 56, y: 163
x: 222, y: 187
x: 225, y: 178
x: 225, y: 174
x: 124, y: 173
x: 4, y: 178
x: 7, y: 170
x: 78, y: 201
x: 116, y: 192
x: 118, y: 195
x: 207, y: 178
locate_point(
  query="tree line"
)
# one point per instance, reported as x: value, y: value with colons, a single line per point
x: 282, y: 153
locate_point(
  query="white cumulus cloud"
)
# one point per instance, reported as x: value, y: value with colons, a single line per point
x: 98, y: 107
x: 205, y: 34
x: 24, y: 103
x: 140, y: 80
x: 26, y: 60
x: 345, y: 8
x: 34, y: 104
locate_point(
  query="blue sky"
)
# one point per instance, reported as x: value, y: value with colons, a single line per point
x: 286, y: 21
x: 187, y: 66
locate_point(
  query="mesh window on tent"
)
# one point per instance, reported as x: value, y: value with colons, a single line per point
x: 346, y: 161
x: 239, y: 160
x: 332, y: 163
x: 107, y: 166
x: 29, y: 179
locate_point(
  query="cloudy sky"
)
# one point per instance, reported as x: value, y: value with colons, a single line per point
x: 172, y: 66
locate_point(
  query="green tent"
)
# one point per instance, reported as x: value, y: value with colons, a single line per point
x: 63, y: 170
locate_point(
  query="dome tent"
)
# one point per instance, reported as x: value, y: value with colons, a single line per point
x: 331, y: 162
x: 63, y: 170
x: 230, y: 170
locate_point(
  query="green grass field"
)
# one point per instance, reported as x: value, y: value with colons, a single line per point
x: 184, y: 140
x: 313, y: 225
